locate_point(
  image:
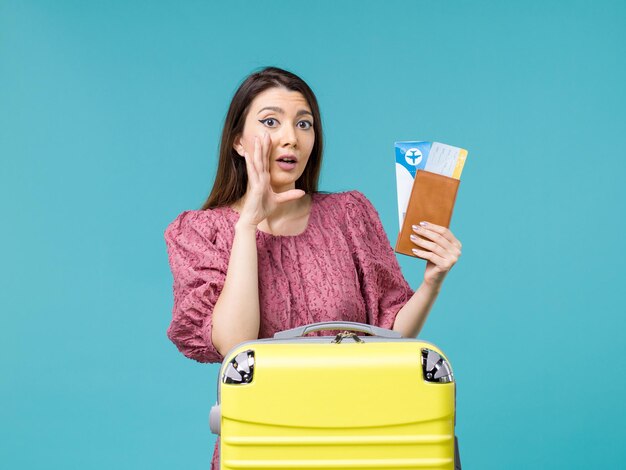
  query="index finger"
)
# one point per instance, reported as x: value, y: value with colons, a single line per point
x: 267, y: 146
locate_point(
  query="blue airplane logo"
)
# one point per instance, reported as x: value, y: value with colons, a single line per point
x: 413, y: 156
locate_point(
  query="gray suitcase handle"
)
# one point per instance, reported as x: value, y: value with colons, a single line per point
x: 337, y: 325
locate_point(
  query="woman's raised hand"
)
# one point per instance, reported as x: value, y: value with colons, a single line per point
x: 261, y: 200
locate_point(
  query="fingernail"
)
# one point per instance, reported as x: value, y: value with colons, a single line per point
x: 415, y: 251
x: 414, y: 238
x: 423, y: 224
x: 415, y: 227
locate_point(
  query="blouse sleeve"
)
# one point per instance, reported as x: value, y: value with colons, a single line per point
x: 383, y: 286
x: 199, y: 271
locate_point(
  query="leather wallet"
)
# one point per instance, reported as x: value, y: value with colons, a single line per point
x: 432, y: 200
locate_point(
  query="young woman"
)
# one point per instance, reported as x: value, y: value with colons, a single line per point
x: 268, y: 252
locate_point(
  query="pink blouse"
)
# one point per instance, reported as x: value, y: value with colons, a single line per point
x: 341, y: 267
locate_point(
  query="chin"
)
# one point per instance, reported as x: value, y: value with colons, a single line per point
x: 282, y: 179
x: 284, y: 182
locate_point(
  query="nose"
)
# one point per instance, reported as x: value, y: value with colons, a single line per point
x: 288, y: 137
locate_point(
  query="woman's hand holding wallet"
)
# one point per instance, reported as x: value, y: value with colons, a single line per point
x: 424, y: 233
x: 439, y: 247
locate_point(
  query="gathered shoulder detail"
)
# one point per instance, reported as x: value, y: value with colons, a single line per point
x: 202, y: 223
x: 363, y: 220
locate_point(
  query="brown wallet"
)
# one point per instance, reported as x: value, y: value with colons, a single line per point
x: 432, y: 200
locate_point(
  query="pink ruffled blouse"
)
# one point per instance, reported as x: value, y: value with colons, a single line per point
x: 341, y: 267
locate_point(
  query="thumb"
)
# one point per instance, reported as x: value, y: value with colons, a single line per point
x: 290, y: 195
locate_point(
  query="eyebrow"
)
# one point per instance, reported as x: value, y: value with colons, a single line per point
x: 282, y: 111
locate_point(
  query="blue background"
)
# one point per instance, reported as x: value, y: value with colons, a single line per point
x: 110, y: 114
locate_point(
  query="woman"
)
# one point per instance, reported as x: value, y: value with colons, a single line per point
x: 268, y: 252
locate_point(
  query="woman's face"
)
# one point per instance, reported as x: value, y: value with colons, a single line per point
x: 286, y: 116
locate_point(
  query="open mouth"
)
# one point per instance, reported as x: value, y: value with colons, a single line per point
x: 286, y: 162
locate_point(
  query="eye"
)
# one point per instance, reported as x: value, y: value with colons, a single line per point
x: 269, y: 122
x: 305, y: 124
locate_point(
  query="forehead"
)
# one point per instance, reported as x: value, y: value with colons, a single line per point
x: 280, y: 97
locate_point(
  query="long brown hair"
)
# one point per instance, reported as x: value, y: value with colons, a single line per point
x: 231, y: 179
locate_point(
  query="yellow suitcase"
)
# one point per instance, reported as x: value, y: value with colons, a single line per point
x: 336, y: 402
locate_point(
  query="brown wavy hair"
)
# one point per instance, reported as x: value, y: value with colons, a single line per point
x: 231, y: 179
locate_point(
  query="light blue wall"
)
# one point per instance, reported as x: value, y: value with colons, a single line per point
x: 110, y: 114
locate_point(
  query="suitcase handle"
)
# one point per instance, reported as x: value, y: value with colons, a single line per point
x: 337, y: 325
